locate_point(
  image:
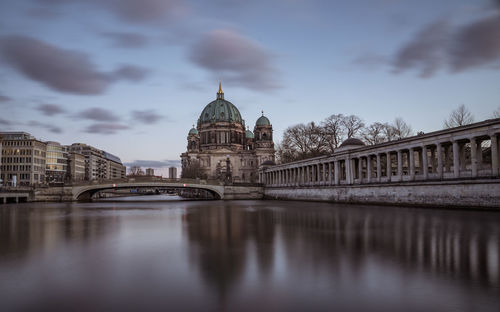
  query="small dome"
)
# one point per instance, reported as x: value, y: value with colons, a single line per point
x: 193, y: 131
x: 263, y: 121
x: 249, y: 134
x: 268, y: 163
x: 352, y: 142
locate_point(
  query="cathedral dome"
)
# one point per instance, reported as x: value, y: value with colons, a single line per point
x: 220, y: 110
x: 262, y: 121
x: 193, y: 131
x: 249, y: 134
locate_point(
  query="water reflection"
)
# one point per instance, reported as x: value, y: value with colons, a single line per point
x: 247, y: 256
x: 457, y: 244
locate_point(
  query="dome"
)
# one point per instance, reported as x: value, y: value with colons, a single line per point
x: 263, y: 121
x: 352, y: 142
x: 193, y: 131
x: 249, y: 134
x: 220, y: 110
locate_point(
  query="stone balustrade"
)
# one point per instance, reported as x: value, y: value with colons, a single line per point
x: 466, y: 152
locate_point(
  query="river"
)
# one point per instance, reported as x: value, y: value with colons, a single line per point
x: 160, y: 253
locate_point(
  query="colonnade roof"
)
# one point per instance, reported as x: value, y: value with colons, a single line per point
x: 491, y: 126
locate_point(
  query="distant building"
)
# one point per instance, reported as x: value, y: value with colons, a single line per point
x: 172, y: 173
x: 23, y: 159
x: 76, y: 166
x: 56, y: 163
x: 95, y: 164
x: 114, y: 167
x: 150, y: 172
x: 99, y: 165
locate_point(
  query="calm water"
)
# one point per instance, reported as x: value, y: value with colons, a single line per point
x: 246, y: 256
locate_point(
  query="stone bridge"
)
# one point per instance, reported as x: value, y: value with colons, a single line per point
x: 85, y: 191
x: 452, y: 167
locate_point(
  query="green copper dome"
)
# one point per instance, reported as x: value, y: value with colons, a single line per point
x: 249, y: 134
x: 263, y: 121
x: 220, y: 110
x: 193, y: 131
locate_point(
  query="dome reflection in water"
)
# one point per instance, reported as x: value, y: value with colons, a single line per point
x: 247, y: 256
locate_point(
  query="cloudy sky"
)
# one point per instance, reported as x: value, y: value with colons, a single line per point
x: 132, y: 76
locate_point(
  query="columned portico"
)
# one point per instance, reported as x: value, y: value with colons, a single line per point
x: 459, y: 153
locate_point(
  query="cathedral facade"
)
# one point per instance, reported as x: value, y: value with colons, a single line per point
x: 221, y: 148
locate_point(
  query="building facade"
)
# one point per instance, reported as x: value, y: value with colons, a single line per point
x: 23, y: 160
x: 150, y: 172
x: 221, y: 148
x: 99, y: 165
x: 56, y: 163
x: 76, y: 166
x: 114, y: 167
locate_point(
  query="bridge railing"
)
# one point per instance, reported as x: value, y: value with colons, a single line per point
x: 145, y: 179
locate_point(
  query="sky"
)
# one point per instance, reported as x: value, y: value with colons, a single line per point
x: 132, y: 76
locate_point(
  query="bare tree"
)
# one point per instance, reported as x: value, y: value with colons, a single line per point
x: 401, y: 128
x: 496, y: 114
x: 333, y: 131
x: 302, y: 141
x: 192, y: 170
x: 459, y: 117
x: 353, y: 124
x: 284, y: 153
x: 374, y: 133
x: 389, y: 132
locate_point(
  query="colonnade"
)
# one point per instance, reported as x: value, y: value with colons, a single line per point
x: 447, y: 154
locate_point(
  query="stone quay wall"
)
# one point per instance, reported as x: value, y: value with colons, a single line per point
x: 460, y: 194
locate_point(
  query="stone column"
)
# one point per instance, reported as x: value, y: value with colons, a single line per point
x: 433, y: 157
x: 360, y: 169
x: 368, y: 168
x: 379, y: 168
x: 412, y: 163
x: 425, y: 166
x: 389, y: 165
x: 439, y: 152
x: 324, y: 173
x: 336, y: 172
x: 456, y: 160
x: 348, y: 171
x: 473, y: 156
x: 400, y: 165
x: 494, y: 155
x: 463, y: 165
x: 479, y: 154
x: 330, y: 176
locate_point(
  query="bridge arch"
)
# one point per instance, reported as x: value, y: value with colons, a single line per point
x: 85, y: 192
